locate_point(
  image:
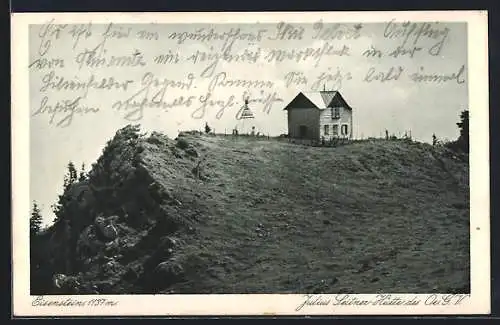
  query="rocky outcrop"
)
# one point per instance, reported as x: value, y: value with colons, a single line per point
x: 118, y: 224
x: 106, y: 228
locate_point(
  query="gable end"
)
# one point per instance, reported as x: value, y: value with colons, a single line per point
x: 300, y: 101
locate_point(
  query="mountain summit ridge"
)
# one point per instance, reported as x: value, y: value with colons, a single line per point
x: 237, y: 214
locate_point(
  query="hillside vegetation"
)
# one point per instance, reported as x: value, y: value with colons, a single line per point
x: 216, y: 214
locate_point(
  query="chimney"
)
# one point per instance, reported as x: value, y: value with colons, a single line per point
x: 324, y: 87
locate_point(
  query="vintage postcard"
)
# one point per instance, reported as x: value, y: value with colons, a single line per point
x: 298, y: 163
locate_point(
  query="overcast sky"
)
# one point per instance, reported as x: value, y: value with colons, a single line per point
x: 397, y: 105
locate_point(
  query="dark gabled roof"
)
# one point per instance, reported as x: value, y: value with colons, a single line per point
x: 318, y: 99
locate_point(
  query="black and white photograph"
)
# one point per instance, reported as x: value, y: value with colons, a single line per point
x: 320, y: 156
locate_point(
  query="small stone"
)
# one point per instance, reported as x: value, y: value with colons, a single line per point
x: 168, y: 242
x: 192, y: 152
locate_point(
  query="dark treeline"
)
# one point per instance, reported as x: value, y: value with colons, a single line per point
x: 40, y: 274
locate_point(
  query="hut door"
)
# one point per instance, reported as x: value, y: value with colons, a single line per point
x: 302, y: 131
x: 344, y: 130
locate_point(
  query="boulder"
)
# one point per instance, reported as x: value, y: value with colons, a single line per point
x: 191, y: 151
x: 168, y: 242
x: 106, y: 229
x: 169, y: 270
x: 88, y: 244
x: 65, y: 284
x: 111, y: 268
x: 162, y: 276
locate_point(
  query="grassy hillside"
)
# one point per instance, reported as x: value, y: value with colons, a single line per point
x: 215, y: 214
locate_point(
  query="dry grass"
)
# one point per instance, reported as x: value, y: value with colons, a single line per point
x: 383, y: 216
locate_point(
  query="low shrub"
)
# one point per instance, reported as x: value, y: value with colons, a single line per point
x: 182, y: 143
